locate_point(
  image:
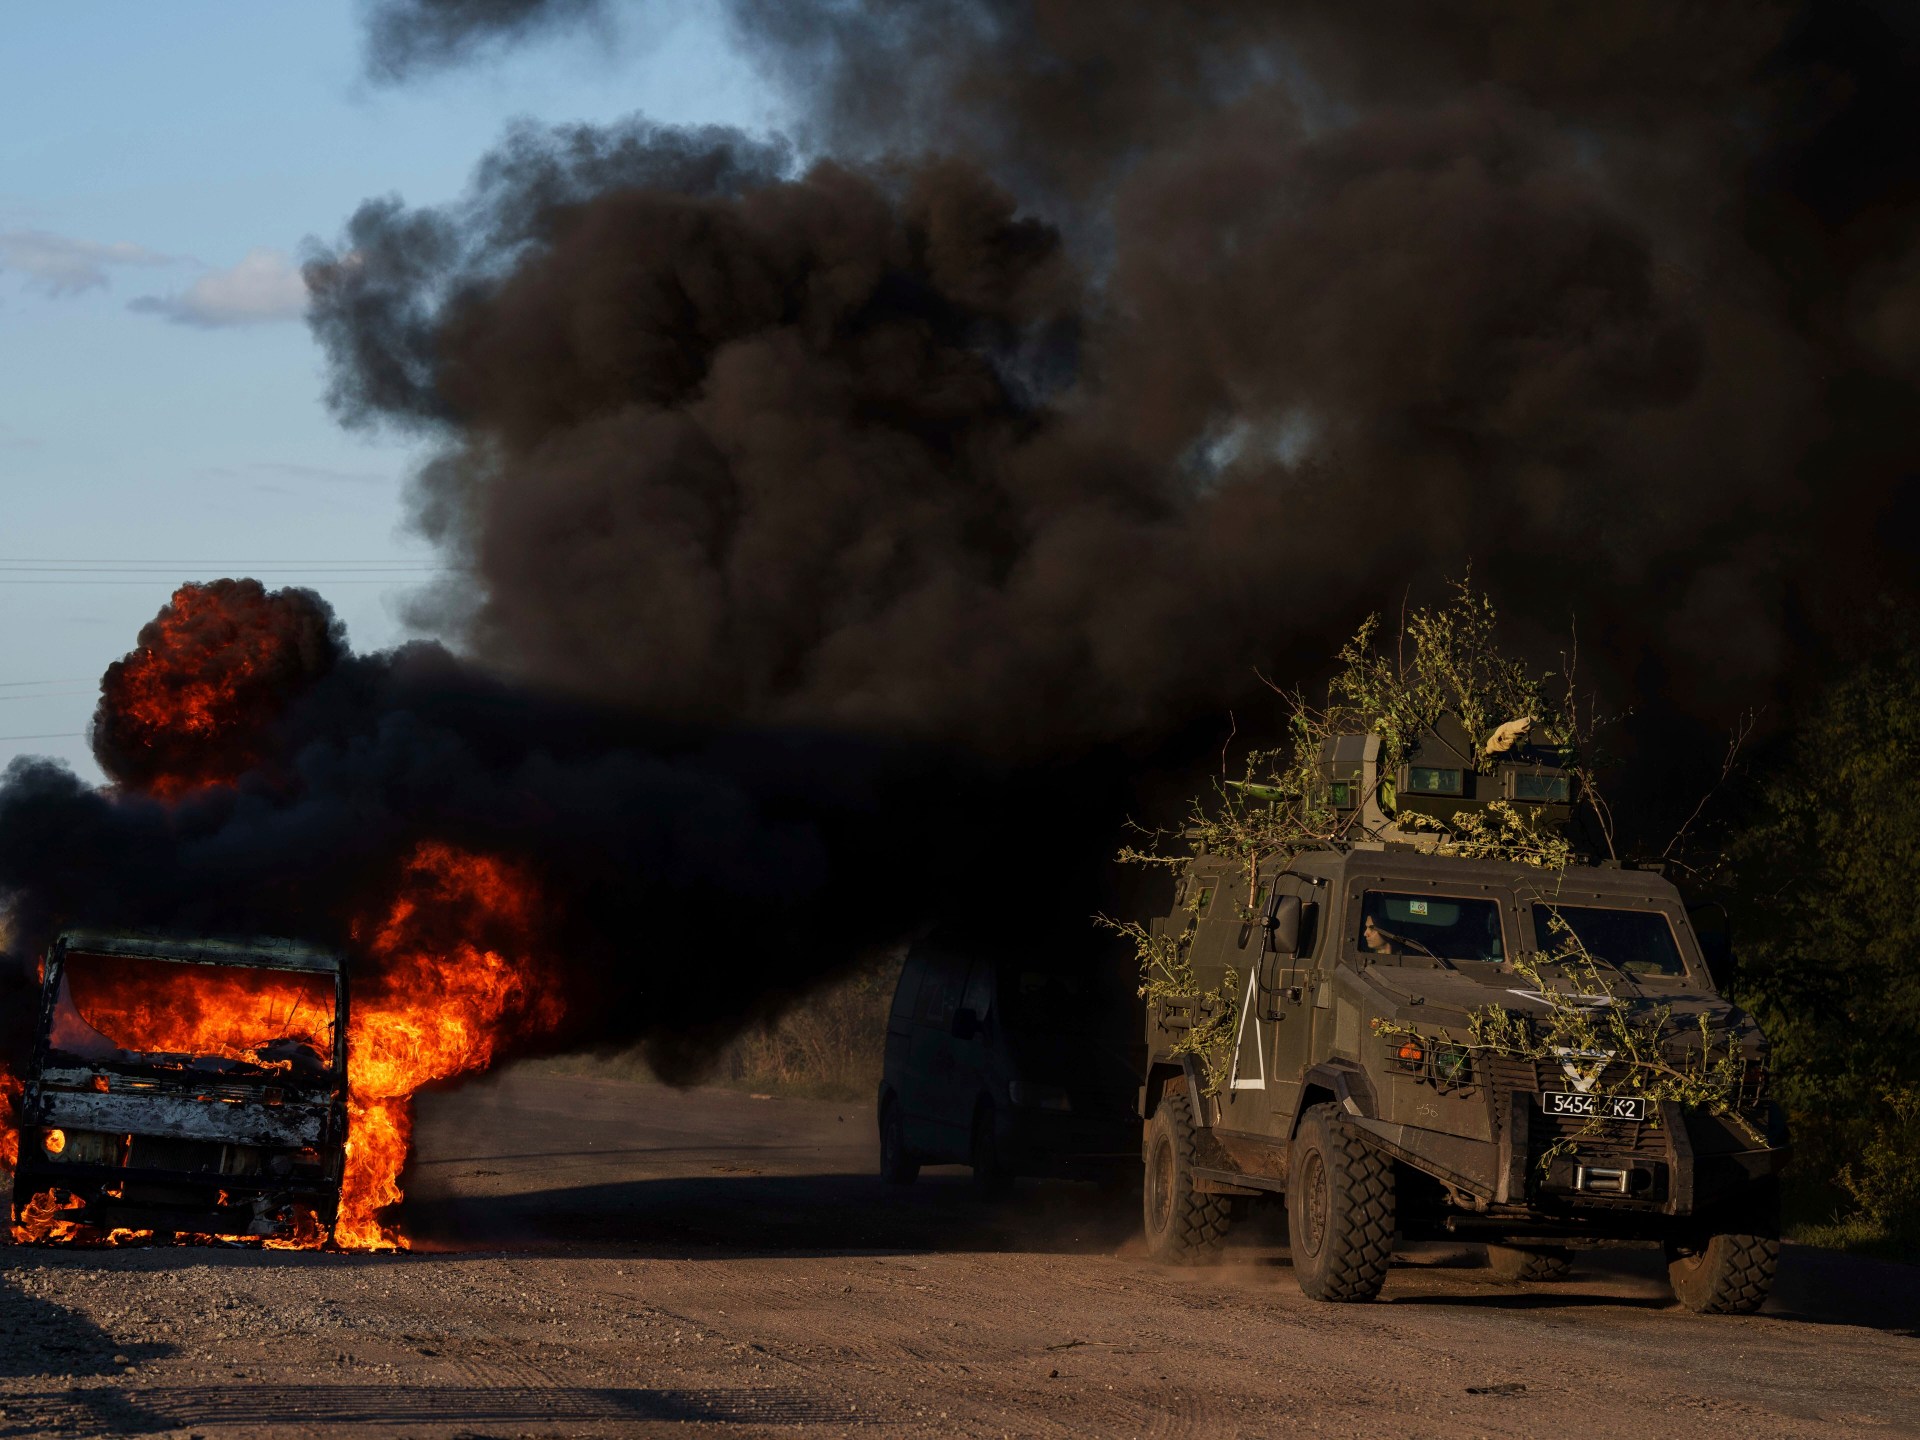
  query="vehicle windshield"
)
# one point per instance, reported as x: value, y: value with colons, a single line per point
x: 219, y: 1017
x: 1640, y: 942
x: 1440, y: 926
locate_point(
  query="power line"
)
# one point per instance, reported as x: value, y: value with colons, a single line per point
x: 260, y: 569
x: 187, y: 560
x: 63, y: 735
x: 157, y: 581
x: 54, y: 695
x: 20, y: 684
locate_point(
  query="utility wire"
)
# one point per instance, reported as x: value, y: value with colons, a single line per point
x: 254, y: 569
x: 19, y: 684
x: 328, y: 580
x: 63, y: 735
x: 192, y: 560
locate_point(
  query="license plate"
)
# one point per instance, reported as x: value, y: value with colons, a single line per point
x: 1594, y: 1107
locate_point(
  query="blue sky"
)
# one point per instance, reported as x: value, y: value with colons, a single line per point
x: 161, y: 412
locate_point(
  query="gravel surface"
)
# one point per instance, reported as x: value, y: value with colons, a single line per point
x: 605, y: 1258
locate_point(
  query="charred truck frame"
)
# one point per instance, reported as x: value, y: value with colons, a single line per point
x: 242, y: 1137
x: 1348, y: 1089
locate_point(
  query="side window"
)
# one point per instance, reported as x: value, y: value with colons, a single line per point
x: 906, y: 994
x: 1440, y: 927
x: 978, y: 996
x: 940, y: 995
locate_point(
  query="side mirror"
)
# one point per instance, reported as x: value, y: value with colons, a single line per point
x: 966, y: 1024
x: 1283, y: 924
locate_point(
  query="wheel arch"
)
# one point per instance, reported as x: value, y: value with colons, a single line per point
x: 1333, y: 1084
x: 1162, y: 1073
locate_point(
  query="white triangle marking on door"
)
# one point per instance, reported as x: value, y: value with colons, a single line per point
x: 1259, y: 1048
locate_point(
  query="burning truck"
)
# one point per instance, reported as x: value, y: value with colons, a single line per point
x: 184, y: 1088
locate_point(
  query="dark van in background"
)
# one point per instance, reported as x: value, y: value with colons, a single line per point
x: 1013, y: 1065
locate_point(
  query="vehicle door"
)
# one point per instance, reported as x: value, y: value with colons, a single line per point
x: 1273, y: 1043
x: 932, y: 1126
x: 902, y: 1019
x: 978, y: 1061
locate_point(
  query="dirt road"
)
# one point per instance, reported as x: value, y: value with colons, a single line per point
x: 602, y: 1258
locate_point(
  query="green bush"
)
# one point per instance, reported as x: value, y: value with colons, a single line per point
x: 1885, y: 1183
x: 1829, y: 935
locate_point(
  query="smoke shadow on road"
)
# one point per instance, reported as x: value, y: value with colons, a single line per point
x: 179, y: 1407
x: 39, y: 1336
x: 830, y: 1214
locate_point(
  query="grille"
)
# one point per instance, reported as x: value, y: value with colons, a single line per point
x: 1606, y: 1138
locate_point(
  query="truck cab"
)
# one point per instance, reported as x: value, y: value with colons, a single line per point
x: 184, y: 1086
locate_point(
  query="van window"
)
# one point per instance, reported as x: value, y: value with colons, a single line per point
x: 940, y: 995
x: 979, y: 993
x: 906, y: 994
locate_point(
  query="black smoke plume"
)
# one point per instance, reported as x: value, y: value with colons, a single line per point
x: 1069, y: 363
x: 1619, y: 306
x: 687, y: 881
x: 406, y: 40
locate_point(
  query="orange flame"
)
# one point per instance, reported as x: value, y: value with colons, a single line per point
x: 452, y: 969
x: 152, y: 1007
x: 10, y: 1089
x: 215, y: 667
x: 455, y: 973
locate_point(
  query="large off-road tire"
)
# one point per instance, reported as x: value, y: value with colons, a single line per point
x: 991, y: 1178
x: 1184, y: 1226
x: 897, y: 1163
x: 1339, y: 1209
x: 1535, y: 1263
x: 1729, y: 1275
x: 1728, y: 1268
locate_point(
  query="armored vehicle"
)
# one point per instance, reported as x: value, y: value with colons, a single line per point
x: 184, y: 1087
x: 1349, y: 1084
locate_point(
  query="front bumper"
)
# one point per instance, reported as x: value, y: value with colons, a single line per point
x: 1685, y: 1164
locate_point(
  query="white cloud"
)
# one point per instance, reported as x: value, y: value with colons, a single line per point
x: 61, y: 265
x: 264, y: 287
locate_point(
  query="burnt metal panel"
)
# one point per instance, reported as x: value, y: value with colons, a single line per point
x: 265, y: 954
x: 183, y: 1115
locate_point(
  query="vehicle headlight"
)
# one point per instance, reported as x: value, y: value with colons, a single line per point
x: 1038, y: 1097
x: 81, y: 1147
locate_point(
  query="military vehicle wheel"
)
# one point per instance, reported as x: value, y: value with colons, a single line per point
x: 1729, y: 1275
x: 1184, y: 1225
x: 990, y: 1177
x: 1729, y: 1270
x: 1339, y: 1209
x: 1532, y: 1263
x: 897, y: 1165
